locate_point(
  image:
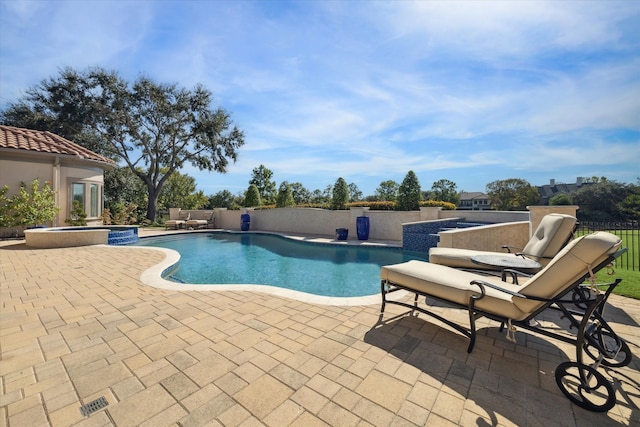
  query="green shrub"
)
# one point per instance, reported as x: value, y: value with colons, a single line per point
x: 252, y: 197
x: 78, y: 216
x: 30, y: 206
x: 119, y: 214
x: 561, y: 199
x: 409, y: 193
x: 284, y: 198
x: 448, y: 206
x: 340, y: 196
x: 377, y: 206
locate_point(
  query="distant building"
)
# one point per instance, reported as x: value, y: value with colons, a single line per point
x: 475, y: 201
x: 547, y: 192
x: 74, y: 173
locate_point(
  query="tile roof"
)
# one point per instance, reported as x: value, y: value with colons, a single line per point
x: 46, y: 142
x: 548, y: 191
x: 469, y: 195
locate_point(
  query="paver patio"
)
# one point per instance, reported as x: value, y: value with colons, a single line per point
x: 77, y: 324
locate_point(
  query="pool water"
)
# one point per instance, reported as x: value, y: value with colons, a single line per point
x: 264, y: 259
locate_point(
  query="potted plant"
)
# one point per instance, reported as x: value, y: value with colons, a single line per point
x: 342, y: 233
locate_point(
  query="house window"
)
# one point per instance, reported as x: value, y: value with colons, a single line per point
x: 89, y: 196
x: 94, y: 198
x: 78, y: 193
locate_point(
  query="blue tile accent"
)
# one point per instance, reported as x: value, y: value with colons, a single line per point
x: 123, y: 237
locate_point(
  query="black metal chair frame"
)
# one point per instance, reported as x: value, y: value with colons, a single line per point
x: 579, y: 382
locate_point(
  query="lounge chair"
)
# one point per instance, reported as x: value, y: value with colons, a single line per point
x: 176, y: 224
x: 551, y: 235
x: 201, y: 223
x: 516, y: 305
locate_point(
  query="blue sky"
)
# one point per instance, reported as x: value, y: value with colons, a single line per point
x: 469, y: 91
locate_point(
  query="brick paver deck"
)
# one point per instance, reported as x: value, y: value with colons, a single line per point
x: 78, y: 324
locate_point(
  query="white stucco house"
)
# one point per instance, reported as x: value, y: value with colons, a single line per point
x: 475, y: 201
x: 73, y: 172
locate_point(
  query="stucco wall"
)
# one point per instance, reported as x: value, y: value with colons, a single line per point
x: 388, y: 225
x: 384, y: 225
x: 64, y: 238
x: 488, y: 237
x: 13, y: 173
x: 56, y: 170
x: 492, y: 237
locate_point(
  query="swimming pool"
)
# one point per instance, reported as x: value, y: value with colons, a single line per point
x: 266, y: 259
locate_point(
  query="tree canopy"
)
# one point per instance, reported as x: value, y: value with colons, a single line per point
x: 512, y: 194
x: 285, y: 196
x: 261, y: 177
x: 180, y: 191
x: 223, y: 199
x: 606, y: 200
x: 387, y: 191
x: 300, y: 194
x: 354, y: 192
x: 445, y: 190
x: 252, y: 197
x: 409, y: 193
x: 340, y: 194
x: 153, y: 128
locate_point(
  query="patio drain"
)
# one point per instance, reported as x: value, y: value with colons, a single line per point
x: 93, y: 406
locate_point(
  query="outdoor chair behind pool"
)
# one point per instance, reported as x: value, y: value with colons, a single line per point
x: 176, y: 224
x: 201, y: 223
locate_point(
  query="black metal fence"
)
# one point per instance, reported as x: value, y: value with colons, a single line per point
x: 628, y: 231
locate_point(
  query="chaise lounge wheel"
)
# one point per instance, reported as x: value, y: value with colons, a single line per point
x: 596, y: 394
x: 609, y: 343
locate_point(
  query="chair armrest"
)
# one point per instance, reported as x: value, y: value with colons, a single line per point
x: 526, y: 255
x: 482, y: 284
x: 514, y: 275
x: 509, y: 248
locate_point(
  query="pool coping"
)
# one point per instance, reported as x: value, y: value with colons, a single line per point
x: 153, y: 276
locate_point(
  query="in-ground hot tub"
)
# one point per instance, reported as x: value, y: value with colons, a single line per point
x: 64, y: 237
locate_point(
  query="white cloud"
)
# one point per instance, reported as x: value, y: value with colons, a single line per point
x: 491, y: 29
x: 369, y: 90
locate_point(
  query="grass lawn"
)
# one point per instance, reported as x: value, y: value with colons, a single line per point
x: 630, y: 285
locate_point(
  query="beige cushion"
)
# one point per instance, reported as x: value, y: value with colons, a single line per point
x: 455, y: 285
x: 461, y: 258
x: 452, y: 285
x: 573, y: 262
x: 551, y: 234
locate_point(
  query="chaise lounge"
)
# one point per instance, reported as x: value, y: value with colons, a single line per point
x: 507, y: 303
x: 201, y: 223
x: 176, y: 224
x: 551, y: 235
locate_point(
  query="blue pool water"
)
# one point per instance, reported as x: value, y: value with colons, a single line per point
x: 264, y: 259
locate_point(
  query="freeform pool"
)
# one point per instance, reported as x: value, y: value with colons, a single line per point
x: 265, y: 259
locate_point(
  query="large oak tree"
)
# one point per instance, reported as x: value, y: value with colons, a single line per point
x: 513, y: 194
x: 152, y: 128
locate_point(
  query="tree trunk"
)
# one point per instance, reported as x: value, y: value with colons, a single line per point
x: 152, y: 206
